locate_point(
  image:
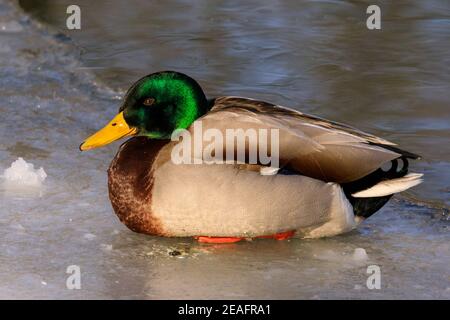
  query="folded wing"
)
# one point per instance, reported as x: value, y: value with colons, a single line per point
x: 312, y: 146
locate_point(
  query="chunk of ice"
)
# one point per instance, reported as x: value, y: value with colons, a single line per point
x: 23, y: 173
x: 89, y: 236
x: 360, y: 254
x: 106, y: 247
x: 10, y: 26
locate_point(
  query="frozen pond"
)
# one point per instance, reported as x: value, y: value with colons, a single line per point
x: 314, y: 55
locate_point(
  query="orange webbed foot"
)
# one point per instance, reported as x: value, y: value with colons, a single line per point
x: 279, y: 236
x: 205, y: 239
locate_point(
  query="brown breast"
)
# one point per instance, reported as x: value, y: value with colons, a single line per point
x: 130, y: 183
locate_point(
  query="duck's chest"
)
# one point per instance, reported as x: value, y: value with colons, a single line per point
x: 130, y: 184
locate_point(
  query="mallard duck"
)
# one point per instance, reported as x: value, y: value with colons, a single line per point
x: 329, y: 177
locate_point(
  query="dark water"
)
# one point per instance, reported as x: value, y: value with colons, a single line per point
x: 316, y: 56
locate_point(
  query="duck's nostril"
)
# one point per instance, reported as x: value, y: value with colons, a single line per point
x: 114, y: 124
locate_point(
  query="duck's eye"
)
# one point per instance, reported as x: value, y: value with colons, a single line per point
x: 149, y: 101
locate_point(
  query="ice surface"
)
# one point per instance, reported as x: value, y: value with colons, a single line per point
x: 40, y: 237
x: 23, y: 173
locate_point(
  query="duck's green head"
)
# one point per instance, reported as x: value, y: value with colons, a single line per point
x: 154, y: 106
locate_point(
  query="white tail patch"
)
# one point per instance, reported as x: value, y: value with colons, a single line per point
x: 392, y: 186
x: 268, y: 171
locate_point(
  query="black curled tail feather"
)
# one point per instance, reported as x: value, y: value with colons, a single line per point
x: 403, y: 153
x: 365, y: 207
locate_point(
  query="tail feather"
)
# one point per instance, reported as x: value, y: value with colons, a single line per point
x: 369, y: 194
x: 391, y: 186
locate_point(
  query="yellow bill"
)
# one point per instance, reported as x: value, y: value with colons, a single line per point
x: 117, y: 128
